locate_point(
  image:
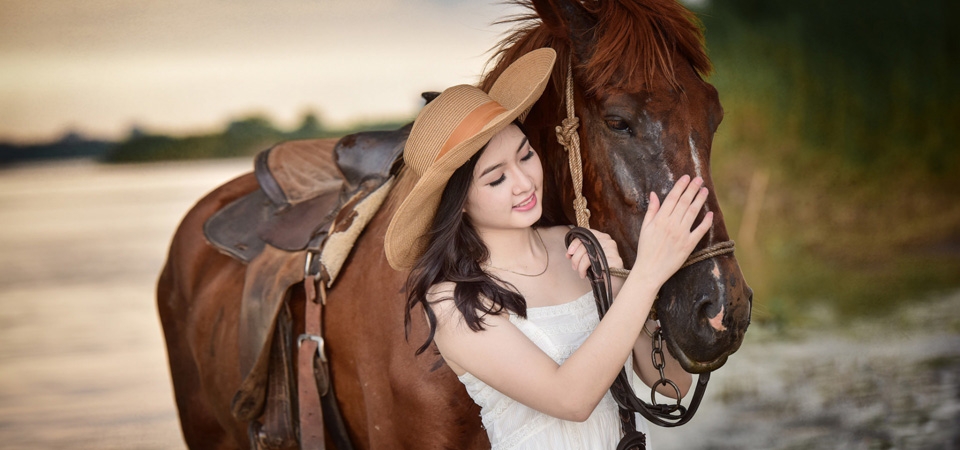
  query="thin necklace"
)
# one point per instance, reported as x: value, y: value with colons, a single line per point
x: 545, y: 266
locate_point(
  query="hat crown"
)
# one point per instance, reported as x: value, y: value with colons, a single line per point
x: 439, y: 121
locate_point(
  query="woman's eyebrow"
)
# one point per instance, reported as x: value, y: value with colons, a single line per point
x: 495, y: 166
x: 490, y: 169
x: 522, y: 143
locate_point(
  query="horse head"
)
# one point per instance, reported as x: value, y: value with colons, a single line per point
x: 647, y: 118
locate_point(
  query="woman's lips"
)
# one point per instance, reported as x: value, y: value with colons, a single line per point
x: 527, y: 204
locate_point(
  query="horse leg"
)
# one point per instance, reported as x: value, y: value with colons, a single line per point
x: 198, y: 422
x: 198, y: 300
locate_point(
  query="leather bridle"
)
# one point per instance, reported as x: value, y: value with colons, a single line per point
x: 665, y: 415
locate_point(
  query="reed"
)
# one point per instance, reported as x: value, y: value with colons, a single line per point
x: 850, y: 109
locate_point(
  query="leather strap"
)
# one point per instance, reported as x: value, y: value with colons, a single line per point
x: 311, y: 347
x: 320, y: 415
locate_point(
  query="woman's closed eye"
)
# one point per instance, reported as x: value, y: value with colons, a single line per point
x: 498, y: 180
x: 527, y: 156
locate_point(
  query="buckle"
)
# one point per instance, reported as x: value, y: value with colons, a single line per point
x: 319, y: 340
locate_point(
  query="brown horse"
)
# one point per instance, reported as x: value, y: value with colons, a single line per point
x: 647, y: 118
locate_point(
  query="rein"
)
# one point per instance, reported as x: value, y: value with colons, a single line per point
x: 665, y: 415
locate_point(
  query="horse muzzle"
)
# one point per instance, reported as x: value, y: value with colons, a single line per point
x: 704, y: 311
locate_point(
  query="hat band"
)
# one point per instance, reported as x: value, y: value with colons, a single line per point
x: 471, y: 125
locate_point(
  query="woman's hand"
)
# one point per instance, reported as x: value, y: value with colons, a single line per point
x: 666, y: 239
x: 577, y: 253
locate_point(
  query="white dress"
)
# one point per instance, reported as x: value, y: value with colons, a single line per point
x: 558, y: 330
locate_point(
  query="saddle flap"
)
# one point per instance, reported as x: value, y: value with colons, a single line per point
x: 229, y: 229
x: 266, y: 282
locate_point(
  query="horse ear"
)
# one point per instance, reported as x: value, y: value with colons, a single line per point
x: 568, y: 19
x: 429, y: 95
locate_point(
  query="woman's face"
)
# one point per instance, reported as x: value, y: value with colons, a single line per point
x: 507, y: 185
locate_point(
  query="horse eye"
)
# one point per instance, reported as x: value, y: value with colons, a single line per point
x: 618, y: 125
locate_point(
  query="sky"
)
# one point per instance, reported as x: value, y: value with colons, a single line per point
x: 102, y: 67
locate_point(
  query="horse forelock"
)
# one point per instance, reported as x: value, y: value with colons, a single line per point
x: 635, y: 43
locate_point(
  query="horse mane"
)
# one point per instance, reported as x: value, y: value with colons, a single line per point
x: 635, y: 43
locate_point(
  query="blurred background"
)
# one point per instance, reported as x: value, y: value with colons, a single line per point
x: 836, y: 165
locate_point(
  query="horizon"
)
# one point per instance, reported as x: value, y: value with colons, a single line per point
x: 178, y: 67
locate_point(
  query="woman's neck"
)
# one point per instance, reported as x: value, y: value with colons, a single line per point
x: 519, y: 250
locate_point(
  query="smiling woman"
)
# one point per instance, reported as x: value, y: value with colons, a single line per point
x: 101, y: 66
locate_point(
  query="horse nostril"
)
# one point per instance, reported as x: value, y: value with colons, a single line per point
x: 711, y: 310
x: 703, y: 307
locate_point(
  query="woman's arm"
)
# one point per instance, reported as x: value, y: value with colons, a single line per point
x: 643, y: 365
x: 504, y: 358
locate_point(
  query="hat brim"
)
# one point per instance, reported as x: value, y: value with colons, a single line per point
x: 517, y: 89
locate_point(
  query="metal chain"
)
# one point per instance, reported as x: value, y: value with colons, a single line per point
x: 660, y: 362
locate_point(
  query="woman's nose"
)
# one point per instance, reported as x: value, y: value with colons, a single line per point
x: 524, y: 182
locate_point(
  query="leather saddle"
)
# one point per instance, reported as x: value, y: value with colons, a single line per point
x: 303, y: 184
x: 314, y: 198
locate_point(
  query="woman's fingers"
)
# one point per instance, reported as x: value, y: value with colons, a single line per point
x: 572, y: 248
x: 578, y: 257
x: 580, y: 260
x: 702, y: 228
x: 652, y: 209
x: 670, y: 202
x: 688, y: 197
x: 668, y: 233
x: 694, y: 209
x: 684, y: 195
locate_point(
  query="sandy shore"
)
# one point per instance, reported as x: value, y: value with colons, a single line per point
x: 83, y: 365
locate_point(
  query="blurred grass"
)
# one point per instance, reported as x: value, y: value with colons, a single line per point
x: 853, y: 112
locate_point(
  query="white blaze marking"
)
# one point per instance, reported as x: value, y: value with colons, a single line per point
x: 695, y: 156
x: 699, y: 172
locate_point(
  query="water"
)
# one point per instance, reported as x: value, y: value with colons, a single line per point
x: 82, y: 359
x: 83, y: 364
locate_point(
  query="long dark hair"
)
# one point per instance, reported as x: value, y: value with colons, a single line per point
x: 454, y: 253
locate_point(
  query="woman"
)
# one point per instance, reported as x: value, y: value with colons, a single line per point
x: 506, y: 315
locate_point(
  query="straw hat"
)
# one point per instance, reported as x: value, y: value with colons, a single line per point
x: 447, y: 132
